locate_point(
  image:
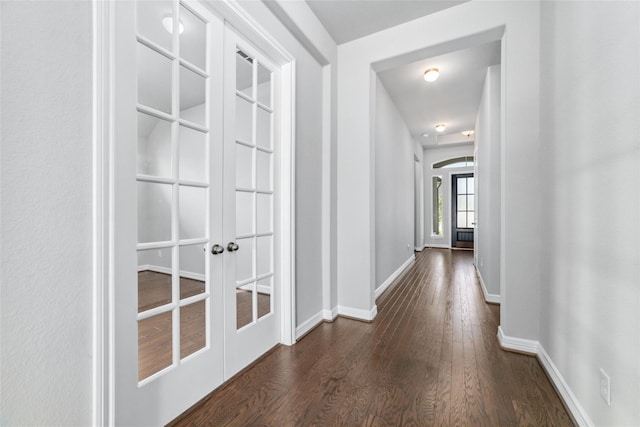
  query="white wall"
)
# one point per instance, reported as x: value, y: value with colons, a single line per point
x: 431, y: 156
x: 451, y: 29
x: 298, y: 18
x: 590, y: 110
x: 487, y: 172
x: 394, y: 186
x: 45, y: 216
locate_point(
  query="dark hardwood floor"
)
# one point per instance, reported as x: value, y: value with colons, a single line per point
x: 431, y: 357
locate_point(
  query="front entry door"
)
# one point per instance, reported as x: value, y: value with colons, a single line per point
x: 195, y: 229
x: 463, y: 209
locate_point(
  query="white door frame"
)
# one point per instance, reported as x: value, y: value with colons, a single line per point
x: 418, y: 193
x: 103, y: 162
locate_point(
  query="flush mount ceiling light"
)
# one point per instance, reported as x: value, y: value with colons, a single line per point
x: 431, y: 74
x: 468, y: 133
x: 440, y: 127
x: 167, y: 23
x: 425, y: 135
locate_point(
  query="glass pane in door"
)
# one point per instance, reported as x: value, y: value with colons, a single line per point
x: 193, y: 155
x: 192, y: 212
x: 193, y: 36
x: 244, y: 304
x: 263, y: 166
x: 244, y: 213
x: 154, y: 146
x: 152, y: 20
x: 193, y: 329
x: 264, y: 296
x: 154, y: 278
x: 244, y: 121
x: 154, y: 79
x: 192, y: 270
x: 264, y: 254
x: 192, y: 96
x: 154, y: 212
x: 244, y: 73
x: 264, y: 213
x: 244, y: 166
x: 264, y: 86
x: 263, y: 130
x: 155, y: 350
x: 245, y: 259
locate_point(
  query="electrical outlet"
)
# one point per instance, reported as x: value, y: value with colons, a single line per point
x: 605, y: 387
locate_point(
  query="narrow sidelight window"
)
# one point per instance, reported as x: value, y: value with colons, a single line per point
x: 436, y: 205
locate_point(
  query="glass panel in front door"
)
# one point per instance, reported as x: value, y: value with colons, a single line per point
x: 254, y: 189
x: 172, y: 186
x: 465, y: 210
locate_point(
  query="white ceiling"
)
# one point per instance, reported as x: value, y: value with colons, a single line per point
x: 347, y: 20
x: 453, y: 99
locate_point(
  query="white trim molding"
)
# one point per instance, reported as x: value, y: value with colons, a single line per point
x: 490, y: 298
x: 396, y: 274
x: 330, y: 315
x: 519, y: 345
x: 357, y: 313
x: 306, y: 326
x: 534, y: 348
x: 437, y: 246
x: 103, y: 358
x: 576, y: 411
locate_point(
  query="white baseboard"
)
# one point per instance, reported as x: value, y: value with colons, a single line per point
x: 576, y: 410
x: 418, y: 248
x: 492, y: 298
x: 517, y: 344
x: 383, y: 287
x: 438, y: 246
x: 358, y: 314
x: 166, y: 270
x: 330, y: 315
x: 309, y: 324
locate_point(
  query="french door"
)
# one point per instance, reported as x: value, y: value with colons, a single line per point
x: 195, y: 236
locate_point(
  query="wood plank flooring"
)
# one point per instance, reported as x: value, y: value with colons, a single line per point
x: 431, y: 357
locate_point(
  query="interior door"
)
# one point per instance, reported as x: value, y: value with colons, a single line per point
x: 168, y: 287
x: 463, y: 210
x: 251, y: 229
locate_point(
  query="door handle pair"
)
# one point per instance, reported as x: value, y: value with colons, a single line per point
x: 217, y: 249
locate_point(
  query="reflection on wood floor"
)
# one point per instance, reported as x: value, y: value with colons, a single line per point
x: 155, y: 333
x: 431, y: 357
x: 154, y: 289
x: 244, y: 314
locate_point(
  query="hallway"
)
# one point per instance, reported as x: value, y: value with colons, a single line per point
x: 431, y: 357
